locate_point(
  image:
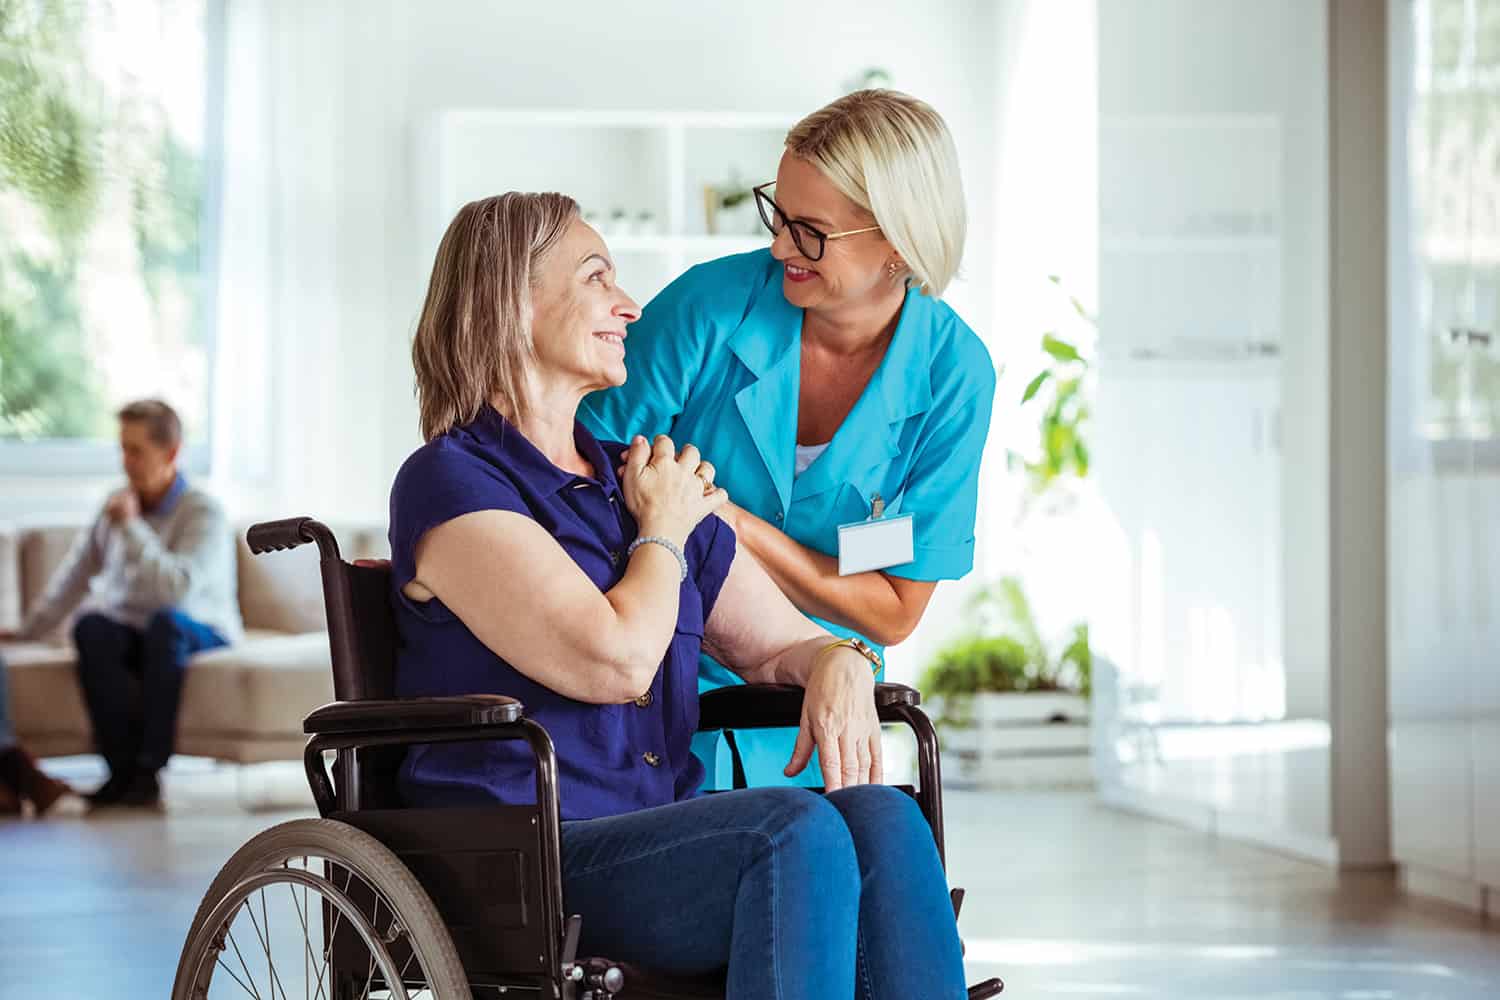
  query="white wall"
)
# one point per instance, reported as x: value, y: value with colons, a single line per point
x: 1201, y: 63
x: 357, y: 80
x: 1192, y: 57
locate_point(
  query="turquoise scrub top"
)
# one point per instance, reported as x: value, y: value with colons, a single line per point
x: 715, y: 361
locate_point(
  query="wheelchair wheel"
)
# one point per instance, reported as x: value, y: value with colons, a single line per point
x: 318, y: 908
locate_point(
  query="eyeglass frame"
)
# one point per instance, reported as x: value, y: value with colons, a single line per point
x: 789, y: 224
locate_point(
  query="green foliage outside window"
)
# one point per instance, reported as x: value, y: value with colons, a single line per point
x: 98, y: 193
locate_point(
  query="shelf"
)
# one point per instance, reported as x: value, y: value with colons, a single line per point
x: 557, y: 117
x: 717, y: 246
x: 1190, y: 244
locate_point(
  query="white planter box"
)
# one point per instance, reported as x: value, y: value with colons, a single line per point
x: 1017, y: 741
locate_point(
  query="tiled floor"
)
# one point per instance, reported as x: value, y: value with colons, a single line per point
x: 1066, y: 898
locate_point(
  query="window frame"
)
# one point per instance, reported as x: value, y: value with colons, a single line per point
x: 79, y: 458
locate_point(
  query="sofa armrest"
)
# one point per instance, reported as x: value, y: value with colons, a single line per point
x: 761, y: 706
x: 411, y: 715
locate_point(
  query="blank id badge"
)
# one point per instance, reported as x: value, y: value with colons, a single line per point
x: 877, y: 542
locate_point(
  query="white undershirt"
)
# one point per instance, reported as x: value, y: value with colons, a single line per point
x: 807, y: 454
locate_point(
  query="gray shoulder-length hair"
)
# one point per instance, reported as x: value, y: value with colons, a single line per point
x: 473, y: 342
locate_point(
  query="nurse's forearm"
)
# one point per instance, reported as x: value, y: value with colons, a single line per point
x: 871, y: 604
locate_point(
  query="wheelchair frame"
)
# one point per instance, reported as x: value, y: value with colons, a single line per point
x: 522, y: 940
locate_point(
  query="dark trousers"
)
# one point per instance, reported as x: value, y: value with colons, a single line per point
x: 132, y: 682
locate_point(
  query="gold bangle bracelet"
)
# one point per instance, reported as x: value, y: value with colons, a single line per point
x: 873, y: 660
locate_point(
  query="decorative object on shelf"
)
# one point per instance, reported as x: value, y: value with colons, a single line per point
x: 646, y: 224
x: 1012, y: 709
x: 729, y: 208
x: 869, y: 78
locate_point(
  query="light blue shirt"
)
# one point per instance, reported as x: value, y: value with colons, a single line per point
x: 715, y: 361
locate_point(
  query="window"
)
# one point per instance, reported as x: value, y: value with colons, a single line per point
x: 106, y: 283
x: 1452, y: 135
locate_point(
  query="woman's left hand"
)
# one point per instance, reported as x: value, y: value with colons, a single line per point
x: 839, y: 719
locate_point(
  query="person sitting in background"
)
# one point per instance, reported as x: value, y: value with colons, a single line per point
x: 20, y: 778
x: 155, y: 574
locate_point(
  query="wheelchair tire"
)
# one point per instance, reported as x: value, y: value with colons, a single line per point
x: 267, y: 860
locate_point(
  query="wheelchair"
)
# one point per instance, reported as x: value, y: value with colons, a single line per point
x: 375, y: 900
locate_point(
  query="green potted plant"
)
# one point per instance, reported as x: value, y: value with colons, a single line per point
x: 1009, y: 704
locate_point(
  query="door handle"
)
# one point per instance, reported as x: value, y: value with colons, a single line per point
x: 1480, y: 337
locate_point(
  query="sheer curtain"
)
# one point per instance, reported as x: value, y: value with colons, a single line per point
x: 282, y: 371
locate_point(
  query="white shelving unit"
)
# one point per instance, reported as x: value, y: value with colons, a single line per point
x: 639, y: 176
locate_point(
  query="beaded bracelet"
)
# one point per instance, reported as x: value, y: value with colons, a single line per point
x: 665, y: 543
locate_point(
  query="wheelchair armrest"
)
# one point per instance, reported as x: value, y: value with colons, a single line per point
x: 411, y: 715
x: 761, y: 706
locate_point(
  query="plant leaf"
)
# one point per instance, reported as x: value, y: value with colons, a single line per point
x: 1034, y: 386
x: 1059, y: 349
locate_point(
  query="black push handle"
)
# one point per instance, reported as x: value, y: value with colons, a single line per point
x: 290, y: 532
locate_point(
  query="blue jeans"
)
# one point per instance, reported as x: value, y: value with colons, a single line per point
x: 799, y: 895
x: 132, y: 682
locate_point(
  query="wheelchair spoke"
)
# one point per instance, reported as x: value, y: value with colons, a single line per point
x: 309, y: 956
x: 265, y: 942
x: 238, y: 954
x: 335, y: 918
x: 226, y: 968
x: 369, y: 978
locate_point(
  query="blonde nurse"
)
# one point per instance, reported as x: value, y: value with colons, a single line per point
x: 843, y: 404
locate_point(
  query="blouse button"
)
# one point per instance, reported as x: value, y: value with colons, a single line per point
x: 644, y: 701
x: 778, y: 517
x: 651, y: 759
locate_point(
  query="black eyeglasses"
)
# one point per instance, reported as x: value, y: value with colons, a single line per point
x: 810, y: 241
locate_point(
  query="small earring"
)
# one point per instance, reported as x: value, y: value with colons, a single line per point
x: 893, y: 269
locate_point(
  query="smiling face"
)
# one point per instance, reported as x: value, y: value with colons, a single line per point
x: 579, y: 313
x: 853, y: 270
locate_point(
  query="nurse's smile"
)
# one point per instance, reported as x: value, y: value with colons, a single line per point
x: 795, y: 273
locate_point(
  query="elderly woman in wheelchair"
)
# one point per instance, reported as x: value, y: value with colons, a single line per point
x: 580, y: 580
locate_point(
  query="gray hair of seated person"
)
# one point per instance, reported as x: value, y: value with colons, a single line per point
x: 162, y: 424
x: 474, y: 340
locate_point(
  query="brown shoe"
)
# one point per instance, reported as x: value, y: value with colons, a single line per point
x: 34, y: 784
x: 45, y: 790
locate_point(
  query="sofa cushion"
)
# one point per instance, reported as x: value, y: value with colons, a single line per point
x: 43, y: 548
x: 10, y: 577
x: 283, y: 591
x: 256, y: 688
x: 44, y: 695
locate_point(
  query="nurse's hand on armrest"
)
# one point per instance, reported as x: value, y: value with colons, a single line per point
x: 515, y: 587
x: 756, y: 632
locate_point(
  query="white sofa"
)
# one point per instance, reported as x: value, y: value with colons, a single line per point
x: 242, y: 703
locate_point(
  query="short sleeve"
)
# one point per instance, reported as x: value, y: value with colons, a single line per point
x: 667, y: 348
x: 942, y: 491
x: 439, y: 482
x: 710, y: 551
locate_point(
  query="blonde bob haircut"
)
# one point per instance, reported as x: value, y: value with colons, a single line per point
x: 892, y: 155
x: 474, y: 341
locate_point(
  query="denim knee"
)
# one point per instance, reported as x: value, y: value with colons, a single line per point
x: 888, y: 808
x: 808, y: 833
x: 91, y: 627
